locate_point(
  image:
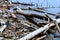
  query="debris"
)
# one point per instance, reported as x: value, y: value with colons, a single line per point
x: 31, y: 35
x: 16, y: 24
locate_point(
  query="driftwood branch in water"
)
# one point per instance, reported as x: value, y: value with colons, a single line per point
x: 38, y: 10
x: 48, y: 17
x: 36, y: 32
x: 34, y: 9
x: 23, y: 3
x: 21, y: 12
x: 30, y: 16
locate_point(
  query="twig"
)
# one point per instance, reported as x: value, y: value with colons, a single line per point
x: 41, y: 37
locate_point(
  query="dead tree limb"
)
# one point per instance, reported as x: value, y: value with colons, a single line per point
x: 38, y: 10
x: 21, y: 12
x: 36, y: 32
x: 48, y: 17
x: 57, y: 26
x: 27, y: 4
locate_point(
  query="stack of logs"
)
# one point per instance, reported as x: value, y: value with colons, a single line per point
x: 19, y: 25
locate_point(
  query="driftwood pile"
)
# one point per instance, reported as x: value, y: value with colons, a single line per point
x: 19, y: 25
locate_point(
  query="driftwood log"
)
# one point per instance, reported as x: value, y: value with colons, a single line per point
x: 2, y: 26
x: 38, y: 10
x: 31, y: 16
x: 21, y: 12
x: 36, y: 32
x: 27, y: 4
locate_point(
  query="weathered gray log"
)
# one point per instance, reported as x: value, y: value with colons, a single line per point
x: 30, y: 15
x: 38, y: 10
x: 27, y: 4
x: 34, y: 9
x: 36, y: 32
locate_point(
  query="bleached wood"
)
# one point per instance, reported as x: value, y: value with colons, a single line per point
x: 36, y: 32
x: 13, y: 15
x: 57, y: 26
x: 3, y: 27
